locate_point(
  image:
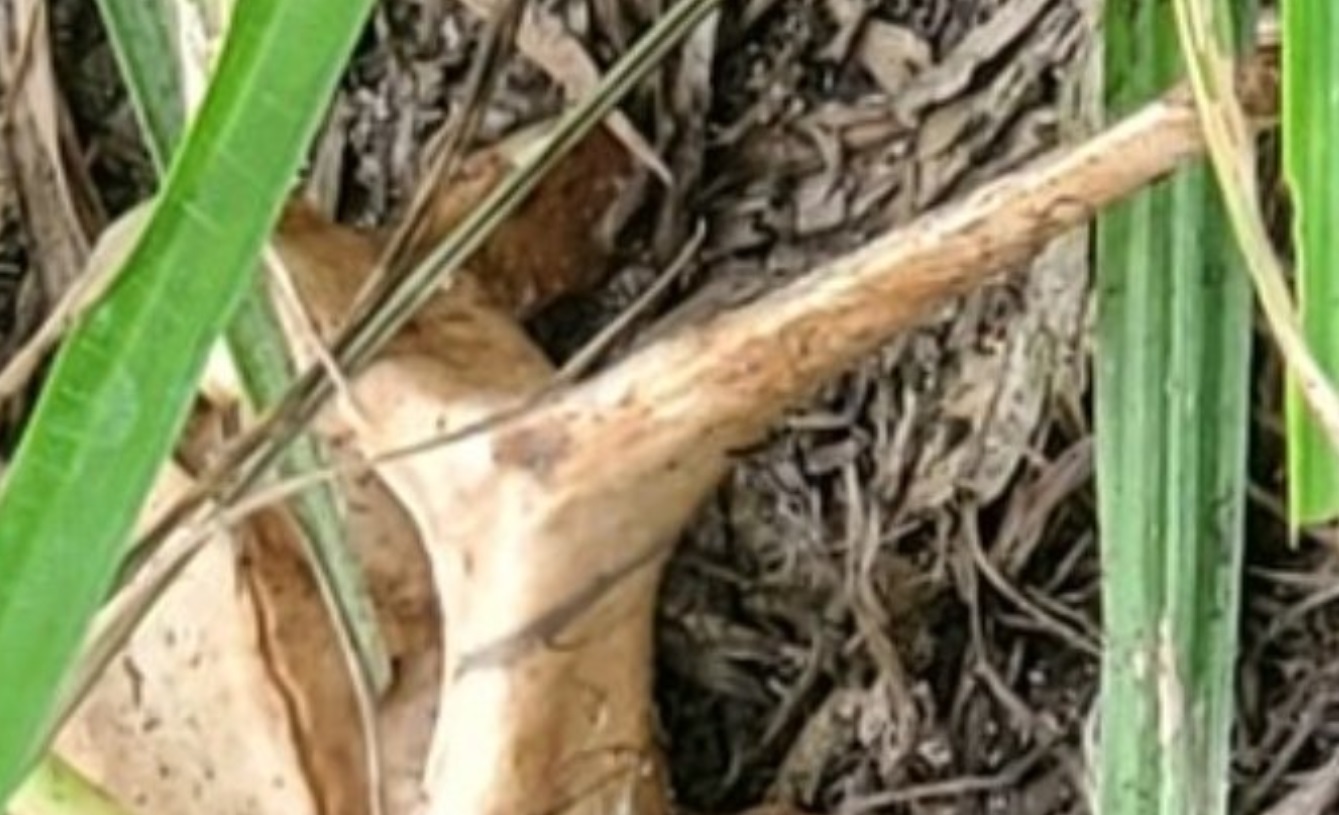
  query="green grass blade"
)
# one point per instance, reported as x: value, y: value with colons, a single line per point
x: 141, y: 36
x: 119, y: 390
x: 1171, y: 422
x: 1230, y: 140
x: 141, y: 33
x: 266, y: 369
x: 1310, y: 131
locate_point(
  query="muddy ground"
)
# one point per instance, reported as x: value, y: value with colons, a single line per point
x: 892, y: 605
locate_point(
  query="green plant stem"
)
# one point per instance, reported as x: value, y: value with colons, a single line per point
x: 1171, y: 420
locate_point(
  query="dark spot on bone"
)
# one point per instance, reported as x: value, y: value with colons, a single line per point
x: 536, y: 449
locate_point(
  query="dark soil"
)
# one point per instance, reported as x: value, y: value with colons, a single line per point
x: 892, y: 606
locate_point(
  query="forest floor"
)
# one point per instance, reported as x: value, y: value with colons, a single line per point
x: 899, y: 590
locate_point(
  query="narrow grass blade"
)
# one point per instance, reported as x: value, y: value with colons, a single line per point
x: 1206, y: 42
x: 1171, y: 421
x: 1311, y: 162
x: 119, y: 390
x: 141, y: 34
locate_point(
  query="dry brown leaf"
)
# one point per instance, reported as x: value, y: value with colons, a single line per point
x: 186, y: 719
x: 558, y: 242
x: 302, y: 649
x: 154, y: 733
x: 892, y: 54
x: 306, y: 666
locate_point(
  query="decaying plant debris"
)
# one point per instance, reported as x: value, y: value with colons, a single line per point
x: 836, y: 509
